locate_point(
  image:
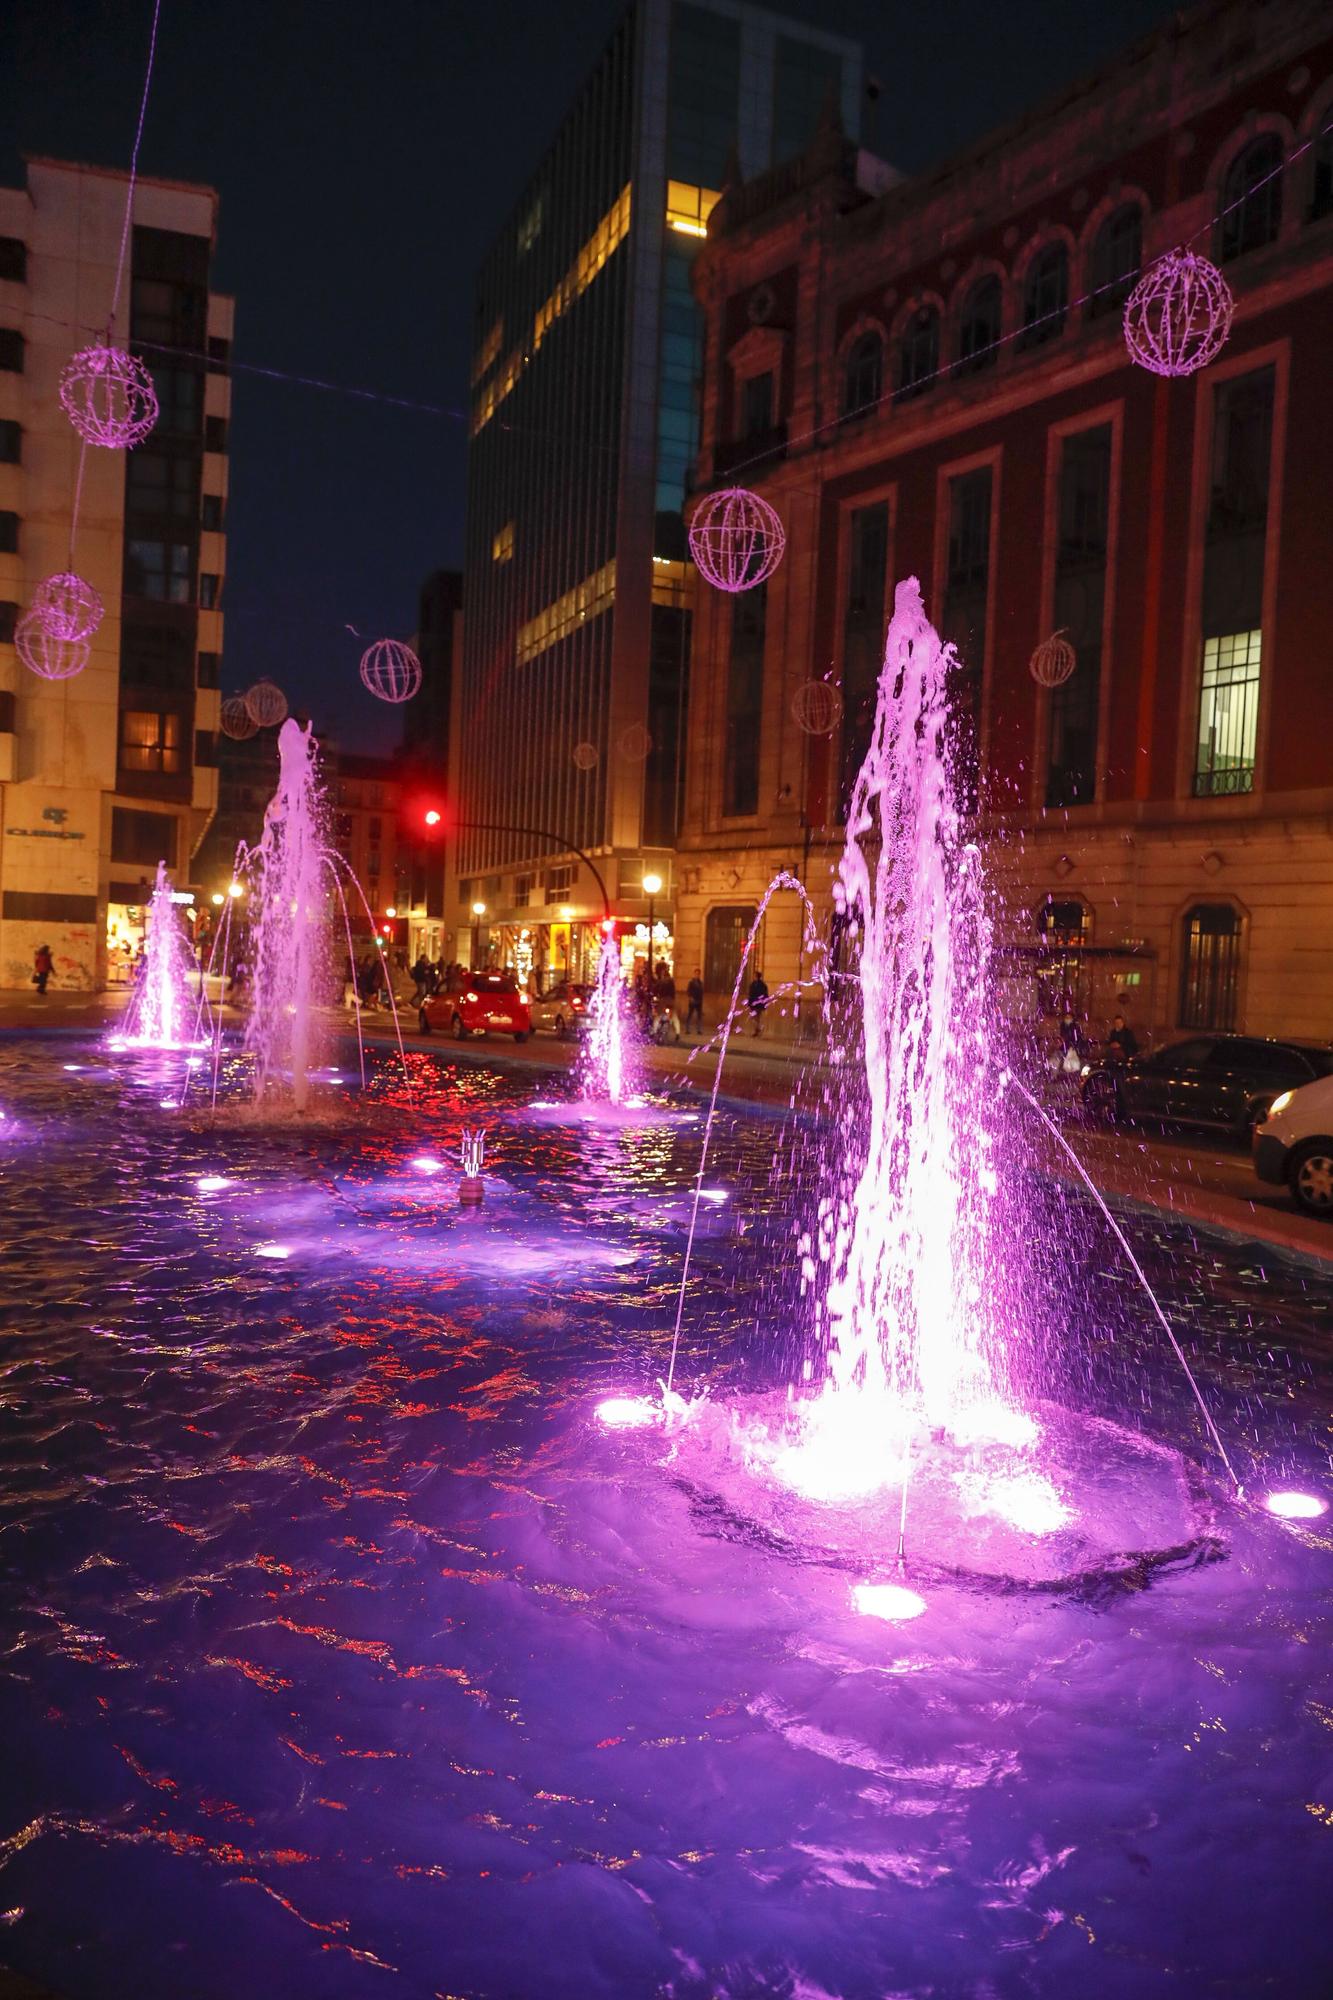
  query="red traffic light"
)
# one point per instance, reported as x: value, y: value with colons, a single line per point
x: 432, y: 816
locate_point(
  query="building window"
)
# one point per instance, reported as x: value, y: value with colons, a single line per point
x: 558, y: 883
x: 13, y: 260
x: 9, y: 533
x: 863, y: 374
x: 9, y: 618
x: 210, y: 590
x: 158, y: 570
x: 11, y: 442
x: 142, y: 837
x: 1250, y: 209
x: 11, y: 350
x: 757, y: 405
x: 862, y: 637
x: 1321, y: 183
x: 215, y: 433
x: 689, y: 207
x: 963, y: 617
x: 1210, y: 967
x: 724, y: 940
x: 179, y: 400
x: 1045, y: 296
x: 1228, y: 715
x: 151, y: 741
x: 206, y: 748
x: 1117, y: 257
x: 210, y: 670
x: 979, y: 326
x: 523, y: 886
x: 219, y: 354
x: 155, y: 655
x: 745, y: 700
x: 160, y: 487
x: 918, y: 353
x: 210, y: 513
x: 1084, y: 502
x: 502, y: 547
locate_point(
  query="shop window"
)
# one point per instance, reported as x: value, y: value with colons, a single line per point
x: 918, y: 354
x: 1117, y: 257
x: 863, y: 374
x: 725, y: 933
x: 1045, y: 296
x: 979, y: 326
x: 1210, y: 967
x: 151, y: 741
x: 1250, y: 207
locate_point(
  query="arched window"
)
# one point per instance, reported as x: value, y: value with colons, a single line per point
x: 979, y: 327
x: 863, y: 373
x: 918, y: 353
x: 1045, y: 295
x: 1210, y: 966
x: 1117, y: 258
x: 1250, y: 204
x: 1321, y: 184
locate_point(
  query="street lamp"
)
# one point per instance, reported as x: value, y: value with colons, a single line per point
x: 218, y: 899
x: 478, y: 912
x: 652, y: 888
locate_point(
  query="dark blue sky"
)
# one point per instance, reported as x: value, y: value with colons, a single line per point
x: 365, y: 155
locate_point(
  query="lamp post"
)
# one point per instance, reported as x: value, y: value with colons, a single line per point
x: 652, y: 889
x: 478, y: 912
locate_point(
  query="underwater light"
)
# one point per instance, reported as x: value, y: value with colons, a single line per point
x: 73, y: 1065
x: 622, y: 1413
x: 714, y: 1194
x: 277, y: 1251
x: 887, y: 1600
x: 212, y: 1183
x: 118, y: 1042
x: 426, y: 1163
x: 1296, y: 1506
x: 1027, y: 1502
x: 168, y: 1104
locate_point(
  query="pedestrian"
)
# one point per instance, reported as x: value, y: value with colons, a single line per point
x: 694, y: 993
x: 43, y: 965
x: 757, y: 999
x: 1122, y: 1044
x: 420, y: 979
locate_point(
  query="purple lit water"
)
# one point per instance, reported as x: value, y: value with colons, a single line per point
x: 345, y: 1655
x: 603, y: 1065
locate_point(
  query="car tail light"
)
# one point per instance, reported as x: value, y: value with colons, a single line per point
x: 470, y: 999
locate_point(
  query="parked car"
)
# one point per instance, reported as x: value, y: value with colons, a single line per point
x: 1293, y: 1145
x: 477, y: 1003
x: 1226, y: 1082
x: 562, y: 1009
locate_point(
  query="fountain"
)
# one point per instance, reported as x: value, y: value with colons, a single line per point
x: 167, y: 1008
x: 603, y: 1063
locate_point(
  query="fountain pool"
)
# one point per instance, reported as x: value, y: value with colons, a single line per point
x: 346, y: 1654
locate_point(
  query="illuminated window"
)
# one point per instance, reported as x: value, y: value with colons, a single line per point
x: 488, y: 352
x: 1228, y: 714
x: 159, y: 570
x: 530, y: 228
x: 673, y: 582
x: 588, y: 599
x: 689, y: 207
x: 150, y: 741
x: 502, y: 548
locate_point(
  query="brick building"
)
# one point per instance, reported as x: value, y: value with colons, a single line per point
x: 933, y: 381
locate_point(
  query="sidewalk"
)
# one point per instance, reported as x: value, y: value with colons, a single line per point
x: 1197, y: 1180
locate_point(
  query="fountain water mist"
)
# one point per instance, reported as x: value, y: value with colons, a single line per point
x: 163, y: 1011
x: 603, y: 1066
x: 290, y: 956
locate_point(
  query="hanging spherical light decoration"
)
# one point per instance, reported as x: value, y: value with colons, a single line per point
x: 68, y: 605
x: 1053, y: 661
x: 267, y: 704
x: 584, y: 756
x: 736, y: 539
x: 47, y: 652
x: 1178, y: 316
x: 816, y: 707
x: 634, y: 743
x: 235, y: 718
x: 109, y: 397
x: 391, y: 670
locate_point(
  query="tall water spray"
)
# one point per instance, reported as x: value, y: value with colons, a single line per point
x: 603, y: 1065
x: 163, y: 1010
x: 286, y: 875
x: 901, y: 1262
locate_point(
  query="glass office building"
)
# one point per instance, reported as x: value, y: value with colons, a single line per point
x: 584, y: 420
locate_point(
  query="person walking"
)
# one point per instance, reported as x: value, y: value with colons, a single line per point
x: 43, y: 965
x: 694, y: 1013
x: 757, y: 999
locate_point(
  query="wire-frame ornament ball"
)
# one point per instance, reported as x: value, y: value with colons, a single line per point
x: 68, y: 605
x: 585, y: 756
x: 634, y: 744
x: 236, y: 720
x: 47, y: 652
x: 109, y: 397
x: 1053, y: 661
x: 1178, y: 316
x: 391, y: 670
x: 816, y: 708
x: 736, y: 539
x: 266, y: 703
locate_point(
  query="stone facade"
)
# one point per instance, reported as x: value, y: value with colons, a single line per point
x: 1159, y: 829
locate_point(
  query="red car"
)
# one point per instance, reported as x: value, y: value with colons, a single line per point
x: 478, y: 1003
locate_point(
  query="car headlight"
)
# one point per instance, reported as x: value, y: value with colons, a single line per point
x: 1280, y: 1102
x: 1086, y: 1070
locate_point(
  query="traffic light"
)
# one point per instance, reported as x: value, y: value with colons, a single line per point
x: 433, y: 816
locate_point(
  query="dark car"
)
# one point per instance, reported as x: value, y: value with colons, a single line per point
x: 1226, y: 1082
x: 478, y: 1003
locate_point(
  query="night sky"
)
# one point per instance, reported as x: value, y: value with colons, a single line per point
x: 365, y: 156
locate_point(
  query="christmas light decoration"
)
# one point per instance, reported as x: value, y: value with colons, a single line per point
x: 109, y: 397
x: 1178, y: 316
x: 1053, y: 661
x: 267, y: 704
x: 816, y: 708
x: 634, y: 743
x: 584, y: 756
x: 736, y: 539
x: 236, y: 719
x: 391, y: 670
x: 45, y: 652
x: 67, y: 605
